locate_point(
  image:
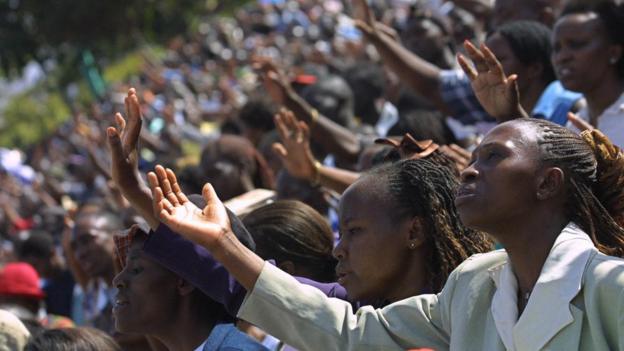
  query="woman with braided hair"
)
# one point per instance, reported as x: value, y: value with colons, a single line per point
x: 532, y: 185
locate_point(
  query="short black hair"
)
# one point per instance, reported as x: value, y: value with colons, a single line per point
x: 530, y: 42
x: 257, y: 113
x: 38, y: 244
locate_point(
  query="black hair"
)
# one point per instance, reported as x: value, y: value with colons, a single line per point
x: 612, y: 16
x: 423, y: 124
x: 426, y: 188
x: 531, y: 43
x: 333, y: 98
x: 38, y: 244
x: 366, y: 80
x: 290, y: 230
x: 594, y: 189
x: 72, y: 339
x: 257, y: 113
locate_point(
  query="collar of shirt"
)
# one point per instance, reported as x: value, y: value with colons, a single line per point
x: 559, y: 282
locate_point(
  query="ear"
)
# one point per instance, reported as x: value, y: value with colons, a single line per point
x: 184, y: 287
x: 615, y: 53
x: 416, y: 237
x: 535, y: 70
x: 548, y: 16
x: 550, y: 183
x: 287, y: 266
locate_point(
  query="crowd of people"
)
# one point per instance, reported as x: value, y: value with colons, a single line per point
x: 334, y: 175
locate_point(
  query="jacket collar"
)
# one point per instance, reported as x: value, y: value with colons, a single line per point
x: 559, y: 282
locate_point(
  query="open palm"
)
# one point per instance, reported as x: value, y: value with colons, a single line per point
x: 202, y: 226
x: 497, y: 93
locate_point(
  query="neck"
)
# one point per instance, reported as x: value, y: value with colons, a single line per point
x: 185, y: 333
x: 603, y: 96
x: 528, y: 245
x: 412, y: 282
x: 529, y: 98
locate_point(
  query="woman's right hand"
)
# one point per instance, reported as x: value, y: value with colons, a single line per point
x: 205, y: 226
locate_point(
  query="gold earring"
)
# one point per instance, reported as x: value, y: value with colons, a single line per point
x: 412, y: 246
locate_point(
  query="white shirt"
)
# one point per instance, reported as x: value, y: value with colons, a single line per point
x: 561, y: 277
x: 610, y: 122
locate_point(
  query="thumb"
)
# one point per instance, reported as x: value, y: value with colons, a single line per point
x: 114, y: 143
x: 280, y: 151
x: 578, y: 122
x: 363, y: 27
x: 513, y: 79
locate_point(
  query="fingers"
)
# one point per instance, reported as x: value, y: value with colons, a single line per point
x: 121, y: 122
x: 467, y: 67
x: 162, y: 206
x: 476, y: 56
x: 578, y: 122
x: 493, y: 64
x: 165, y: 185
x: 363, y: 27
x: 114, y: 142
x: 175, y: 187
x: 133, y: 110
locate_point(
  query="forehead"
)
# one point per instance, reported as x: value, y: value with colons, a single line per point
x: 367, y: 199
x: 499, y: 45
x: 518, y: 135
x: 585, y: 22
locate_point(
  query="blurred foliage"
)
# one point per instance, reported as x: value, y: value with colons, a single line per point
x: 31, y: 116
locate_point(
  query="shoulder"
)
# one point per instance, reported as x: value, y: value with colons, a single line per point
x: 481, y: 263
x: 232, y: 339
x: 606, y: 272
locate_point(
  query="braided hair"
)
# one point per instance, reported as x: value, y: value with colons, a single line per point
x: 426, y: 188
x: 289, y: 230
x: 594, y: 172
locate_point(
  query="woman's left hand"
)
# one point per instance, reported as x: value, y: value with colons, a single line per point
x: 202, y: 226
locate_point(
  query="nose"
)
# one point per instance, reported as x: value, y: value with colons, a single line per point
x: 469, y: 174
x: 339, y: 251
x: 119, y: 280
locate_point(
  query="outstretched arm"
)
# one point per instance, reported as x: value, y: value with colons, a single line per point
x: 123, y: 144
x: 209, y: 227
x: 421, y: 76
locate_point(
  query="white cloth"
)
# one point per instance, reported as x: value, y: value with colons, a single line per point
x: 561, y: 276
x: 610, y: 122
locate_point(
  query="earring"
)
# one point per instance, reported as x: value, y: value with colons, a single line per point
x: 412, y: 246
x: 613, y: 60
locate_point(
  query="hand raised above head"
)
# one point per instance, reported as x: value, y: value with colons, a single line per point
x: 294, y: 150
x: 275, y: 81
x: 123, y: 141
x: 202, y: 226
x: 497, y: 93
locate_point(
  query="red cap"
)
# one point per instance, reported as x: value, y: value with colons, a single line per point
x: 20, y: 279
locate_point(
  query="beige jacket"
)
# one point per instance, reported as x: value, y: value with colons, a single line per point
x: 570, y: 308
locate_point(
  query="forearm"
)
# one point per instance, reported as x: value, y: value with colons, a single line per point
x: 334, y: 138
x: 242, y: 263
x: 140, y: 197
x: 336, y: 179
x: 415, y: 72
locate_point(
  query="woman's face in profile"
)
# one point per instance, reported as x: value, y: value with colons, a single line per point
x: 147, y: 294
x: 373, y: 249
x: 499, y: 185
x: 582, y: 52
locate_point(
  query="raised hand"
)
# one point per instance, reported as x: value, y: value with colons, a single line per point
x: 497, y: 93
x: 202, y: 226
x: 364, y: 17
x: 274, y: 80
x: 294, y: 150
x: 123, y: 143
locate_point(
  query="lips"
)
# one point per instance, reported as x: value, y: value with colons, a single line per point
x: 120, y: 303
x: 464, y: 193
x: 342, y: 275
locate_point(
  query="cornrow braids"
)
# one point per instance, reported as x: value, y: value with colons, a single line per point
x: 426, y: 188
x: 288, y: 230
x: 594, y: 174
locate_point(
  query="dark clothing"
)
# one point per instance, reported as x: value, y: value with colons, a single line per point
x: 59, y: 291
